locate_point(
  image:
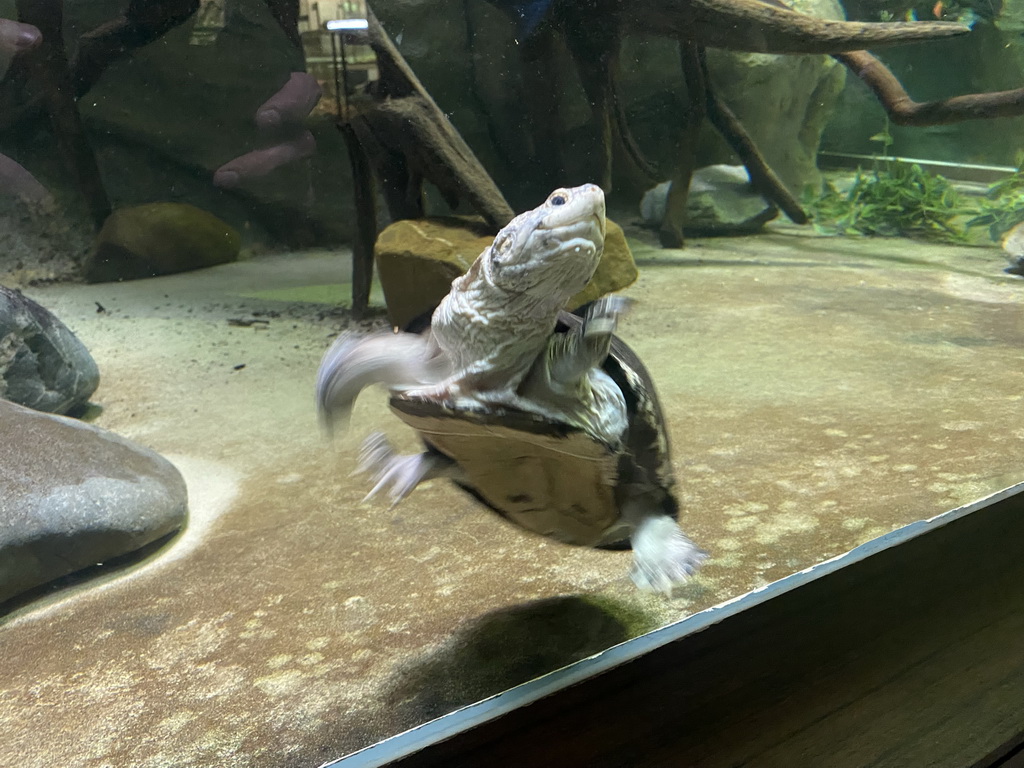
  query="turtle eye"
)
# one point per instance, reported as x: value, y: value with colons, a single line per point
x: 559, y: 199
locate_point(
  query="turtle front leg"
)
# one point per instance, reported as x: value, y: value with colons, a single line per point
x: 399, y: 474
x: 354, y: 362
x: 570, y: 356
x: 663, y: 556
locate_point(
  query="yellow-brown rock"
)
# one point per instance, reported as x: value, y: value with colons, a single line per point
x: 159, y: 239
x: 417, y: 259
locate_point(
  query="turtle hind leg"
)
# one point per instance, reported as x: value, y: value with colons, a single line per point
x: 399, y: 474
x: 663, y: 557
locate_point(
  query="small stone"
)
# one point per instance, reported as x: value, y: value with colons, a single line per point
x: 73, y: 495
x: 43, y: 365
x: 721, y: 201
x: 417, y: 259
x: 159, y: 239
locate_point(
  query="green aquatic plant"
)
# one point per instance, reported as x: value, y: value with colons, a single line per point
x: 892, y: 199
x: 1002, y: 207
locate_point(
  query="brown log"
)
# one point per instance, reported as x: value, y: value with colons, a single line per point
x: 286, y: 13
x: 366, y: 223
x: 143, y: 22
x: 407, y: 121
x: 903, y: 110
x: 47, y: 65
x: 762, y: 177
x: 755, y: 26
x: 671, y: 230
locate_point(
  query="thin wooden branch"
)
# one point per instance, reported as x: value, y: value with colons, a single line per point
x: 366, y: 222
x: 143, y: 22
x: 762, y: 177
x: 47, y: 65
x: 671, y: 231
x: 756, y: 26
x: 406, y: 120
x: 286, y: 13
x: 903, y: 110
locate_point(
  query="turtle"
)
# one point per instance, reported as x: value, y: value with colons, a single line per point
x: 545, y: 417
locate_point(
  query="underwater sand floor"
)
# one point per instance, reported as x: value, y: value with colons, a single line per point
x: 819, y: 392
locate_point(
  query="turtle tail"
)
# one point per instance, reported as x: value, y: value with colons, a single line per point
x: 354, y: 362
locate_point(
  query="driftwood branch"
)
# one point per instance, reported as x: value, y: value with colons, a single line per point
x: 401, y: 135
x: 406, y: 121
x: 143, y: 22
x: 47, y: 66
x: 903, y: 110
x: 758, y: 27
x: 286, y: 14
x: 671, y: 229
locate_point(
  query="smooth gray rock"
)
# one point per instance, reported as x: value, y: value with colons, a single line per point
x: 43, y: 365
x: 73, y: 495
x: 721, y: 202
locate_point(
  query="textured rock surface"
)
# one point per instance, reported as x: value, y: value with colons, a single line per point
x: 159, y: 239
x: 417, y: 261
x: 73, y: 495
x: 43, y: 365
x: 720, y: 202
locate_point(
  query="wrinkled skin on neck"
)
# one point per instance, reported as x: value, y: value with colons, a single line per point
x: 499, y: 315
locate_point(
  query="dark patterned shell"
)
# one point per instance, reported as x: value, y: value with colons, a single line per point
x: 548, y: 476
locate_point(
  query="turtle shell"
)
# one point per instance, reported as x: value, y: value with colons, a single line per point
x: 548, y: 476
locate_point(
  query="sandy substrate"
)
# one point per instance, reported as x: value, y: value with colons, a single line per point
x: 819, y: 392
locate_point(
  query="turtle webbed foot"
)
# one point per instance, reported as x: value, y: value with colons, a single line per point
x: 663, y: 557
x: 398, y: 474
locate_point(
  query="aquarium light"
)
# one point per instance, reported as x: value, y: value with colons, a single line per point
x: 347, y: 25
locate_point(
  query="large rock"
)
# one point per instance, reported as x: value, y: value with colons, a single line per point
x: 73, y: 496
x: 720, y: 202
x: 43, y: 365
x: 159, y: 239
x: 418, y: 259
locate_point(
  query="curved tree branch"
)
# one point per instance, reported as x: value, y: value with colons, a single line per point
x: 760, y: 27
x: 903, y: 110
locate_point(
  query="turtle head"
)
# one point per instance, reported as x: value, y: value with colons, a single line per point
x: 553, y: 250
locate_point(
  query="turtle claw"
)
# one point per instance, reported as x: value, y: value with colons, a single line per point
x: 603, y: 315
x: 397, y: 474
x: 663, y: 557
